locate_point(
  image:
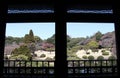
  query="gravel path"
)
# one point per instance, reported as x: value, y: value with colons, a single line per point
x: 81, y: 53
x: 47, y: 53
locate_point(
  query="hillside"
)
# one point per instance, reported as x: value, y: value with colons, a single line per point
x: 94, y: 43
x: 106, y: 40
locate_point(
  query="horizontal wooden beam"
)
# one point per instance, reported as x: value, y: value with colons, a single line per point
x: 31, y: 17
x: 50, y: 17
x: 83, y: 17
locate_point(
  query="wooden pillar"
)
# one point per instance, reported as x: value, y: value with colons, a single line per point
x: 3, y: 14
x: 61, y: 55
x: 116, y: 12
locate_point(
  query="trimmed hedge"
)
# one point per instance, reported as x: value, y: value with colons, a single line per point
x: 42, y: 55
x: 100, y: 58
x: 91, y: 57
x: 112, y: 58
x: 105, y: 53
x: 84, y: 57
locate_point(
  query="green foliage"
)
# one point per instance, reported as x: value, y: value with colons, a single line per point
x: 32, y: 47
x: 37, y: 39
x: 112, y: 61
x: 86, y: 47
x: 73, y: 42
x: 42, y: 55
x: 72, y: 56
x: 22, y: 57
x: 51, y: 40
x: 98, y: 35
x: 50, y: 49
x: 10, y: 40
x: 84, y: 57
x: 100, y: 58
x: 68, y: 38
x: 22, y: 50
x: 105, y: 53
x: 93, y: 44
x: 91, y: 57
x: 103, y: 50
x: 75, y: 48
x: 112, y: 57
x: 26, y: 38
x: 29, y: 38
x: 48, y: 58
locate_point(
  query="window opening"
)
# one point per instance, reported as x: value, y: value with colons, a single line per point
x: 29, y: 49
x: 91, y: 48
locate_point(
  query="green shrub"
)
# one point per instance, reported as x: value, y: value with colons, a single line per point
x: 22, y: 57
x: 100, y: 58
x: 91, y: 57
x: 42, y: 55
x: 84, y: 57
x: 105, y: 53
x: 19, y: 57
x: 112, y: 58
x: 48, y: 58
x: 110, y: 62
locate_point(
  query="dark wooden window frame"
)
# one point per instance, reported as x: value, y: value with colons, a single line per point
x: 60, y: 17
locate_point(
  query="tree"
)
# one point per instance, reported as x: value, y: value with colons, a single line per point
x: 29, y: 38
x: 51, y: 40
x: 98, y: 36
x: 22, y: 50
x: 37, y: 39
x: 75, y: 48
x: 68, y: 38
x: 10, y: 40
x: 32, y: 47
x: 26, y: 38
x: 93, y: 44
x: 73, y: 42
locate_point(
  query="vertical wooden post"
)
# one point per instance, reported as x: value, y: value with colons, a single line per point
x: 3, y: 14
x: 116, y: 13
x: 61, y: 55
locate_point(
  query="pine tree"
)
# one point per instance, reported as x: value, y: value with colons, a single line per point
x: 31, y: 36
x: 26, y: 38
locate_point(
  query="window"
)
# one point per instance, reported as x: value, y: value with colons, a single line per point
x: 52, y: 11
x: 91, y: 45
x: 80, y: 35
x: 29, y: 45
x: 30, y: 40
